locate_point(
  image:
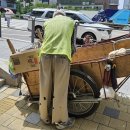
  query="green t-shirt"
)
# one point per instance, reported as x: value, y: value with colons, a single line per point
x: 57, y: 37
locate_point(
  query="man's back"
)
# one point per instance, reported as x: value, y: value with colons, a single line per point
x: 58, y: 33
x: 7, y: 15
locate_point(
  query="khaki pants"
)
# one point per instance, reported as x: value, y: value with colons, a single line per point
x: 54, y: 80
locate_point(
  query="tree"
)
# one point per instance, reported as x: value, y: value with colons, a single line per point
x: 105, y: 4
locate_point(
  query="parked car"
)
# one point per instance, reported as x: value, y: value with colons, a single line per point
x: 96, y: 31
x: 37, y: 13
x: 26, y: 16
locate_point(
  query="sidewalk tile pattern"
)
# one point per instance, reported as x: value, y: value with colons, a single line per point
x: 6, y: 104
x: 16, y: 113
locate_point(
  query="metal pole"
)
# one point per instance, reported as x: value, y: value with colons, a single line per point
x: 129, y: 28
x: 19, y: 9
x: 0, y: 24
x: 33, y: 29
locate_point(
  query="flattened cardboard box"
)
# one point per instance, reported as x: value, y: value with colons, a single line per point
x: 25, y: 61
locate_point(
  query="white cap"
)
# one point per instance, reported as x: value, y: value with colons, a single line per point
x: 59, y: 12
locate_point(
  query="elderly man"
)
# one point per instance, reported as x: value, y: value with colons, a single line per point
x: 55, y: 57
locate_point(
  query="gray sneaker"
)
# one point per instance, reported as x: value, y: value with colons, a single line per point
x: 67, y: 124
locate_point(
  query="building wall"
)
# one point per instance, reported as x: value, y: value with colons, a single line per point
x: 97, y: 2
x: 112, y: 4
x: 3, y: 3
x: 53, y: 1
x: 45, y: 1
x: 115, y: 2
x: 73, y: 2
x: 8, y: 4
x: 126, y: 4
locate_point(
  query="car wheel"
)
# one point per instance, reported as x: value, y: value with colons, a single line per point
x: 91, y: 36
x: 38, y: 29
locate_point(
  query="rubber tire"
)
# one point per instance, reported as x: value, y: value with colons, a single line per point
x: 90, y: 34
x: 94, y: 88
x: 40, y: 28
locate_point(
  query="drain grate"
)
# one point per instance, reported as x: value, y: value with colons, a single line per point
x: 6, y: 104
x: 114, y: 113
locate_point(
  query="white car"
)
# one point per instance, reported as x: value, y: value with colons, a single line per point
x: 26, y: 16
x: 96, y: 31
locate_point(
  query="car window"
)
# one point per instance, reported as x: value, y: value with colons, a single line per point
x: 29, y: 13
x: 80, y: 17
x: 73, y: 16
x: 85, y: 18
x: 37, y: 13
x: 49, y: 14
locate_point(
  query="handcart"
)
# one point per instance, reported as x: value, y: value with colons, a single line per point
x: 86, y: 76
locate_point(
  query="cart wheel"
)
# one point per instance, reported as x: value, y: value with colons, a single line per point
x: 82, y: 89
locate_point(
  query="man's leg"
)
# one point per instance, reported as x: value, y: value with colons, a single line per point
x: 61, y: 81
x: 45, y: 87
x: 7, y: 22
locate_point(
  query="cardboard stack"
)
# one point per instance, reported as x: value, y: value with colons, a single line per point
x: 25, y: 61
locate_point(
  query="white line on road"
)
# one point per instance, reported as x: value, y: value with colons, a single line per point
x: 16, y: 35
x: 16, y: 39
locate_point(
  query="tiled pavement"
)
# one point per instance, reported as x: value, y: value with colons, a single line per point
x: 16, y: 113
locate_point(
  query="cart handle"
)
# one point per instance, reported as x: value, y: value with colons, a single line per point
x: 11, y: 46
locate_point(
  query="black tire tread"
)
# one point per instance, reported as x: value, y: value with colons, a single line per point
x: 94, y: 87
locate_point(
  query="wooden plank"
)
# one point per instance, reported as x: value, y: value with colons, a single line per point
x: 99, y: 51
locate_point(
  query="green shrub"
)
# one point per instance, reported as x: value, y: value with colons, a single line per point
x: 78, y: 8
x: 40, y: 5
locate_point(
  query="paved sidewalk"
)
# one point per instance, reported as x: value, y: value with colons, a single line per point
x: 16, y: 113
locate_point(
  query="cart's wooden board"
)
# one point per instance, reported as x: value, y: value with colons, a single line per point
x: 99, y: 51
x: 32, y: 80
x: 95, y: 53
x: 96, y: 69
x: 92, y: 61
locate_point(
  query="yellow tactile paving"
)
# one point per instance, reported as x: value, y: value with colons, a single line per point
x: 6, y: 104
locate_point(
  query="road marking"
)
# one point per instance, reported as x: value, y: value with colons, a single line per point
x: 16, y: 35
x: 17, y: 39
x: 16, y: 24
